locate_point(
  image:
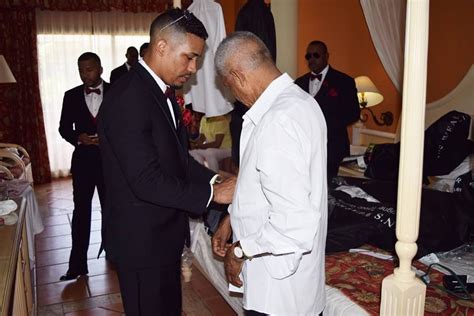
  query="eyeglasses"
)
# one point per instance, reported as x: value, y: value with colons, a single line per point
x: 314, y: 55
x: 186, y: 15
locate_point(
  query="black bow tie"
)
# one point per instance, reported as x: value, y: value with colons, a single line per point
x: 169, y: 92
x: 313, y: 76
x: 91, y: 90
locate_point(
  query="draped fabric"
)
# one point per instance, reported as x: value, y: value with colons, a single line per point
x: 62, y: 37
x: 386, y: 22
x: 203, y: 90
x: 255, y: 16
x: 21, y: 115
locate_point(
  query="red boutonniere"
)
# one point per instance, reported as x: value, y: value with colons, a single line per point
x: 187, y: 115
x: 332, y: 92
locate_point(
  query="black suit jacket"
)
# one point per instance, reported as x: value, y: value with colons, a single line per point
x: 118, y: 72
x: 340, y: 106
x: 151, y: 181
x: 77, y: 119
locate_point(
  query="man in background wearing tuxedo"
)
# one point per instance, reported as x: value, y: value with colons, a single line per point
x: 132, y: 58
x: 78, y: 126
x: 336, y: 94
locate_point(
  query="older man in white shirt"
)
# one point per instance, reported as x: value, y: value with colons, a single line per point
x: 279, y: 212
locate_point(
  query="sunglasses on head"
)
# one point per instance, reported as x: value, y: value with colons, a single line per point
x: 186, y: 15
x: 314, y: 55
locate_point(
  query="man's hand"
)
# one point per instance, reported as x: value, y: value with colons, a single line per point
x: 85, y: 139
x: 224, y: 191
x: 220, y: 238
x: 233, y: 266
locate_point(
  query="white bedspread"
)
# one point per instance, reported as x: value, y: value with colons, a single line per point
x: 336, y: 303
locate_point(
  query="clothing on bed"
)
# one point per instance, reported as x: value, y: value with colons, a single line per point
x: 446, y: 146
x: 445, y: 220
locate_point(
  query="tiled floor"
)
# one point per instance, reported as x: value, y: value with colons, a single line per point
x: 98, y: 293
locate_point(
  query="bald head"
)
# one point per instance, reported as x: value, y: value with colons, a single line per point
x: 242, y: 50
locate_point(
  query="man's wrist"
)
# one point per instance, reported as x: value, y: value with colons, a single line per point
x: 239, y: 253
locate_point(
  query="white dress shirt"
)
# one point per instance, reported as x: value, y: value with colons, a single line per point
x: 315, y: 85
x: 279, y: 210
x: 94, y: 100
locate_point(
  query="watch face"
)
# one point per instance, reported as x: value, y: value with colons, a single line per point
x: 238, y: 252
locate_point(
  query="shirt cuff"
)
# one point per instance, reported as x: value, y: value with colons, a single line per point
x: 213, y: 180
x: 249, y: 247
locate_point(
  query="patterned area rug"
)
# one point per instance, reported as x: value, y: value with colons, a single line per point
x: 360, y: 277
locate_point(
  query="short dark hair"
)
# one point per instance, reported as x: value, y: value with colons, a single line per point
x: 177, y: 20
x: 320, y: 43
x: 144, y: 47
x: 132, y: 48
x: 89, y: 56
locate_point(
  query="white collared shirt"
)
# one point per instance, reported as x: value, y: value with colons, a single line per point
x: 162, y: 86
x: 279, y: 210
x: 94, y: 100
x: 315, y: 85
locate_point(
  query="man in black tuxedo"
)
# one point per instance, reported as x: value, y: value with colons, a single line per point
x: 336, y: 94
x: 78, y: 126
x: 132, y: 58
x: 152, y: 182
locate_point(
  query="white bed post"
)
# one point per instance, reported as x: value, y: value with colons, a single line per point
x: 402, y: 292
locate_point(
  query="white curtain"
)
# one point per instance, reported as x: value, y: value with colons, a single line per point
x: 386, y: 22
x: 62, y: 38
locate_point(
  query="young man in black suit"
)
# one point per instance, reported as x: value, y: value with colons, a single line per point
x: 132, y: 58
x: 78, y: 126
x: 336, y: 94
x: 152, y: 182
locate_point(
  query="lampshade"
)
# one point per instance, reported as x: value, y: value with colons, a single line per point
x: 6, y: 75
x: 367, y: 92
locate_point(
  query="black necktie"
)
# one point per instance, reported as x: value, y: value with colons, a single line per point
x: 313, y: 76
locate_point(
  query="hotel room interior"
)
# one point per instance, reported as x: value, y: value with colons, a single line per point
x: 31, y: 265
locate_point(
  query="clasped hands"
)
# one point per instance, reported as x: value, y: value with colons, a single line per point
x: 86, y: 139
x: 221, y: 248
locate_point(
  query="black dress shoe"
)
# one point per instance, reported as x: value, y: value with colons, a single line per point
x: 70, y: 276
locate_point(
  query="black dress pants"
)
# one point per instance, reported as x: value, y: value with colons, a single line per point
x: 152, y: 291
x: 86, y: 176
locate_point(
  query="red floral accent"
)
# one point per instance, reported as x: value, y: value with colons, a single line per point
x: 187, y: 114
x: 332, y: 92
x: 180, y: 101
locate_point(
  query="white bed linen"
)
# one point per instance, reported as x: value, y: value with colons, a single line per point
x: 337, y: 304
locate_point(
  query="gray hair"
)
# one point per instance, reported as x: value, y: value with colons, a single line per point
x: 245, y: 48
